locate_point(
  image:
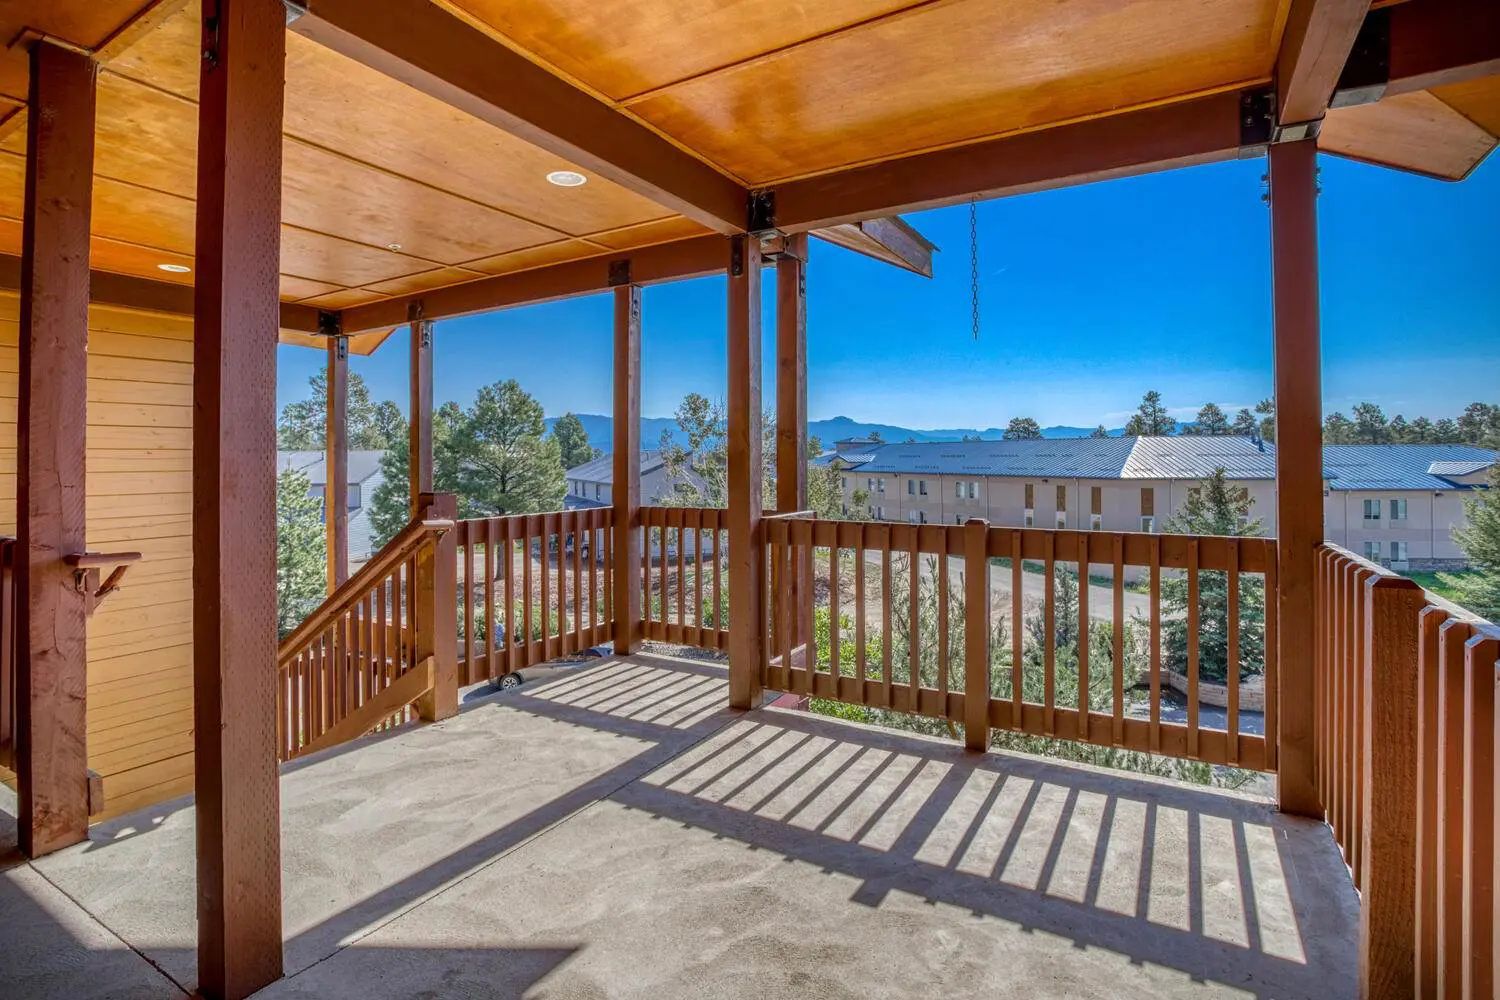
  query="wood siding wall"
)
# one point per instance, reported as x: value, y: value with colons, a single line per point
x: 140, y: 714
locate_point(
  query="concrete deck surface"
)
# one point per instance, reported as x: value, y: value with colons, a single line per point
x: 616, y: 832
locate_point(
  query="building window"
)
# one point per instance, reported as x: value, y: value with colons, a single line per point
x: 880, y: 513
x: 1029, y: 518
x: 596, y: 491
x: 1372, y: 510
x: 1398, y: 552
x: 843, y: 482
x: 958, y: 519
x: 973, y: 489
x: 1030, y: 497
x: 916, y: 517
x: 1148, y: 524
x: 1062, y: 519
x: 1148, y: 501
x: 1062, y: 498
x: 911, y: 487
x: 958, y: 491
x: 1398, y: 513
x: 922, y: 487
x: 1096, y: 521
x: 880, y: 484
x: 1372, y: 551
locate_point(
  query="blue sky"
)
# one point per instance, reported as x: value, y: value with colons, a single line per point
x: 1088, y: 297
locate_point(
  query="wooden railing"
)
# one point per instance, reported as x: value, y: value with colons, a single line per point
x: 532, y: 587
x: 8, y: 680
x: 1201, y: 605
x: 1405, y: 762
x: 684, y: 579
x: 355, y: 664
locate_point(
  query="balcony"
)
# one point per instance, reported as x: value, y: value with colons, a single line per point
x: 618, y: 826
x: 617, y: 829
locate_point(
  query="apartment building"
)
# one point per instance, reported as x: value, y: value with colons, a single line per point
x: 1396, y: 504
x: 589, y: 484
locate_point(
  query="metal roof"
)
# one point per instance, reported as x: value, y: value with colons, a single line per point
x: 602, y: 469
x: 1467, y: 467
x: 1088, y: 458
x: 1194, y: 457
x: 1400, y: 466
x: 313, y: 464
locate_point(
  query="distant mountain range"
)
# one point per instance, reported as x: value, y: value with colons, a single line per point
x: 600, y: 431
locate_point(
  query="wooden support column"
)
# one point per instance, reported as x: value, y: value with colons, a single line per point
x: 52, y: 654
x: 747, y: 550
x: 336, y: 463
x: 977, y: 634
x: 236, y: 318
x: 436, y: 607
x: 1299, y: 460
x: 419, y: 420
x: 625, y: 490
x: 791, y: 408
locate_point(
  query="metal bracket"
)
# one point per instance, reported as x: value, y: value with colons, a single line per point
x: 330, y: 323
x: 294, y: 9
x: 1257, y: 120
x: 761, y: 220
x: 1296, y: 131
x: 1367, y: 72
x: 341, y: 347
x: 619, y: 272
x: 736, y: 256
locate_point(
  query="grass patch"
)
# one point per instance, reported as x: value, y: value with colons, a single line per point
x: 1433, y: 581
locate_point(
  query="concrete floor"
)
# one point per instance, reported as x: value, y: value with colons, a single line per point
x: 615, y: 832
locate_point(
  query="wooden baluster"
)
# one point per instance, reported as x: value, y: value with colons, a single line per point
x: 914, y: 632
x: 1117, y: 721
x: 943, y: 651
x: 596, y: 545
x: 976, y: 635
x: 720, y: 627
x: 646, y: 520
x: 1049, y: 623
x: 1156, y: 628
x: 835, y: 609
x: 528, y: 537
x: 465, y: 546
x: 804, y: 620
x: 1083, y: 635
x: 485, y: 669
x: 661, y: 574
x: 1017, y: 632
x: 697, y: 521
x: 1359, y: 691
x: 382, y: 634
x: 1450, y: 807
x: 784, y: 561
x: 885, y: 617
x: 1193, y: 625
x: 1272, y: 691
x: 560, y: 572
x: 1232, y: 653
x: 861, y: 671
x: 1479, y: 942
x: 580, y: 602
x: 682, y: 575
x: 607, y: 581
x: 1428, y: 780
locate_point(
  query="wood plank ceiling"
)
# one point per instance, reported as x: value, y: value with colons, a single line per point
x: 389, y: 192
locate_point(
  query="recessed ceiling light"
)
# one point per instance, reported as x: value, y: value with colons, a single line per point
x: 567, y: 178
x: 174, y: 268
x: 393, y: 246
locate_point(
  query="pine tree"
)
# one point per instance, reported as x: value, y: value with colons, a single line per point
x: 1337, y: 429
x: 301, y: 557
x: 1369, y: 424
x: 1211, y: 422
x: 1151, y: 418
x: 1445, y: 431
x: 1266, y: 409
x: 505, y: 463
x: 371, y: 426
x: 1244, y: 424
x: 1400, y: 430
x: 1100, y: 432
x: 573, y: 441
x: 1480, y: 539
x: 1214, y: 508
x: 1420, y: 430
x: 1022, y: 429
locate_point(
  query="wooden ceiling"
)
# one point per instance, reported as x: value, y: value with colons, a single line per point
x: 389, y: 192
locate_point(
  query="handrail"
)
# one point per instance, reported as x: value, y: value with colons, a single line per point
x: 353, y: 590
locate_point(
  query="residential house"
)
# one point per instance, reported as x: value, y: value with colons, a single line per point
x: 365, y: 476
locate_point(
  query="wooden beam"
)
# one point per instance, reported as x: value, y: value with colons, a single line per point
x: 1299, y: 461
x: 1314, y: 47
x: 747, y: 555
x: 241, y: 90
x: 52, y: 652
x: 419, y: 419
x: 791, y: 377
x: 890, y: 239
x: 1197, y: 130
x: 1419, y: 45
x: 173, y: 298
x: 425, y: 47
x: 625, y: 490
x: 336, y: 463
x: 690, y: 258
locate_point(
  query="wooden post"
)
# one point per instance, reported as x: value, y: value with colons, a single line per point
x: 236, y: 318
x: 435, y: 605
x: 336, y: 463
x: 791, y: 410
x: 419, y: 420
x: 1480, y: 937
x: 1388, y: 854
x: 747, y: 547
x: 625, y: 491
x: 52, y: 654
x: 977, y: 634
x: 1299, y: 461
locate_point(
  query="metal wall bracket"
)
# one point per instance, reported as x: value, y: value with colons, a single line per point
x: 341, y: 347
x: 1296, y: 131
x: 1257, y: 120
x: 762, y: 215
x: 294, y: 9
x: 1367, y: 72
x: 330, y: 323
x: 736, y: 256
x: 619, y: 272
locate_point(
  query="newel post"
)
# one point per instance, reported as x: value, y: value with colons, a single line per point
x: 977, y: 634
x: 1388, y: 852
x: 435, y: 605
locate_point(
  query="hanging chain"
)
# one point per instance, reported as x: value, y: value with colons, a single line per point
x: 974, y: 260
